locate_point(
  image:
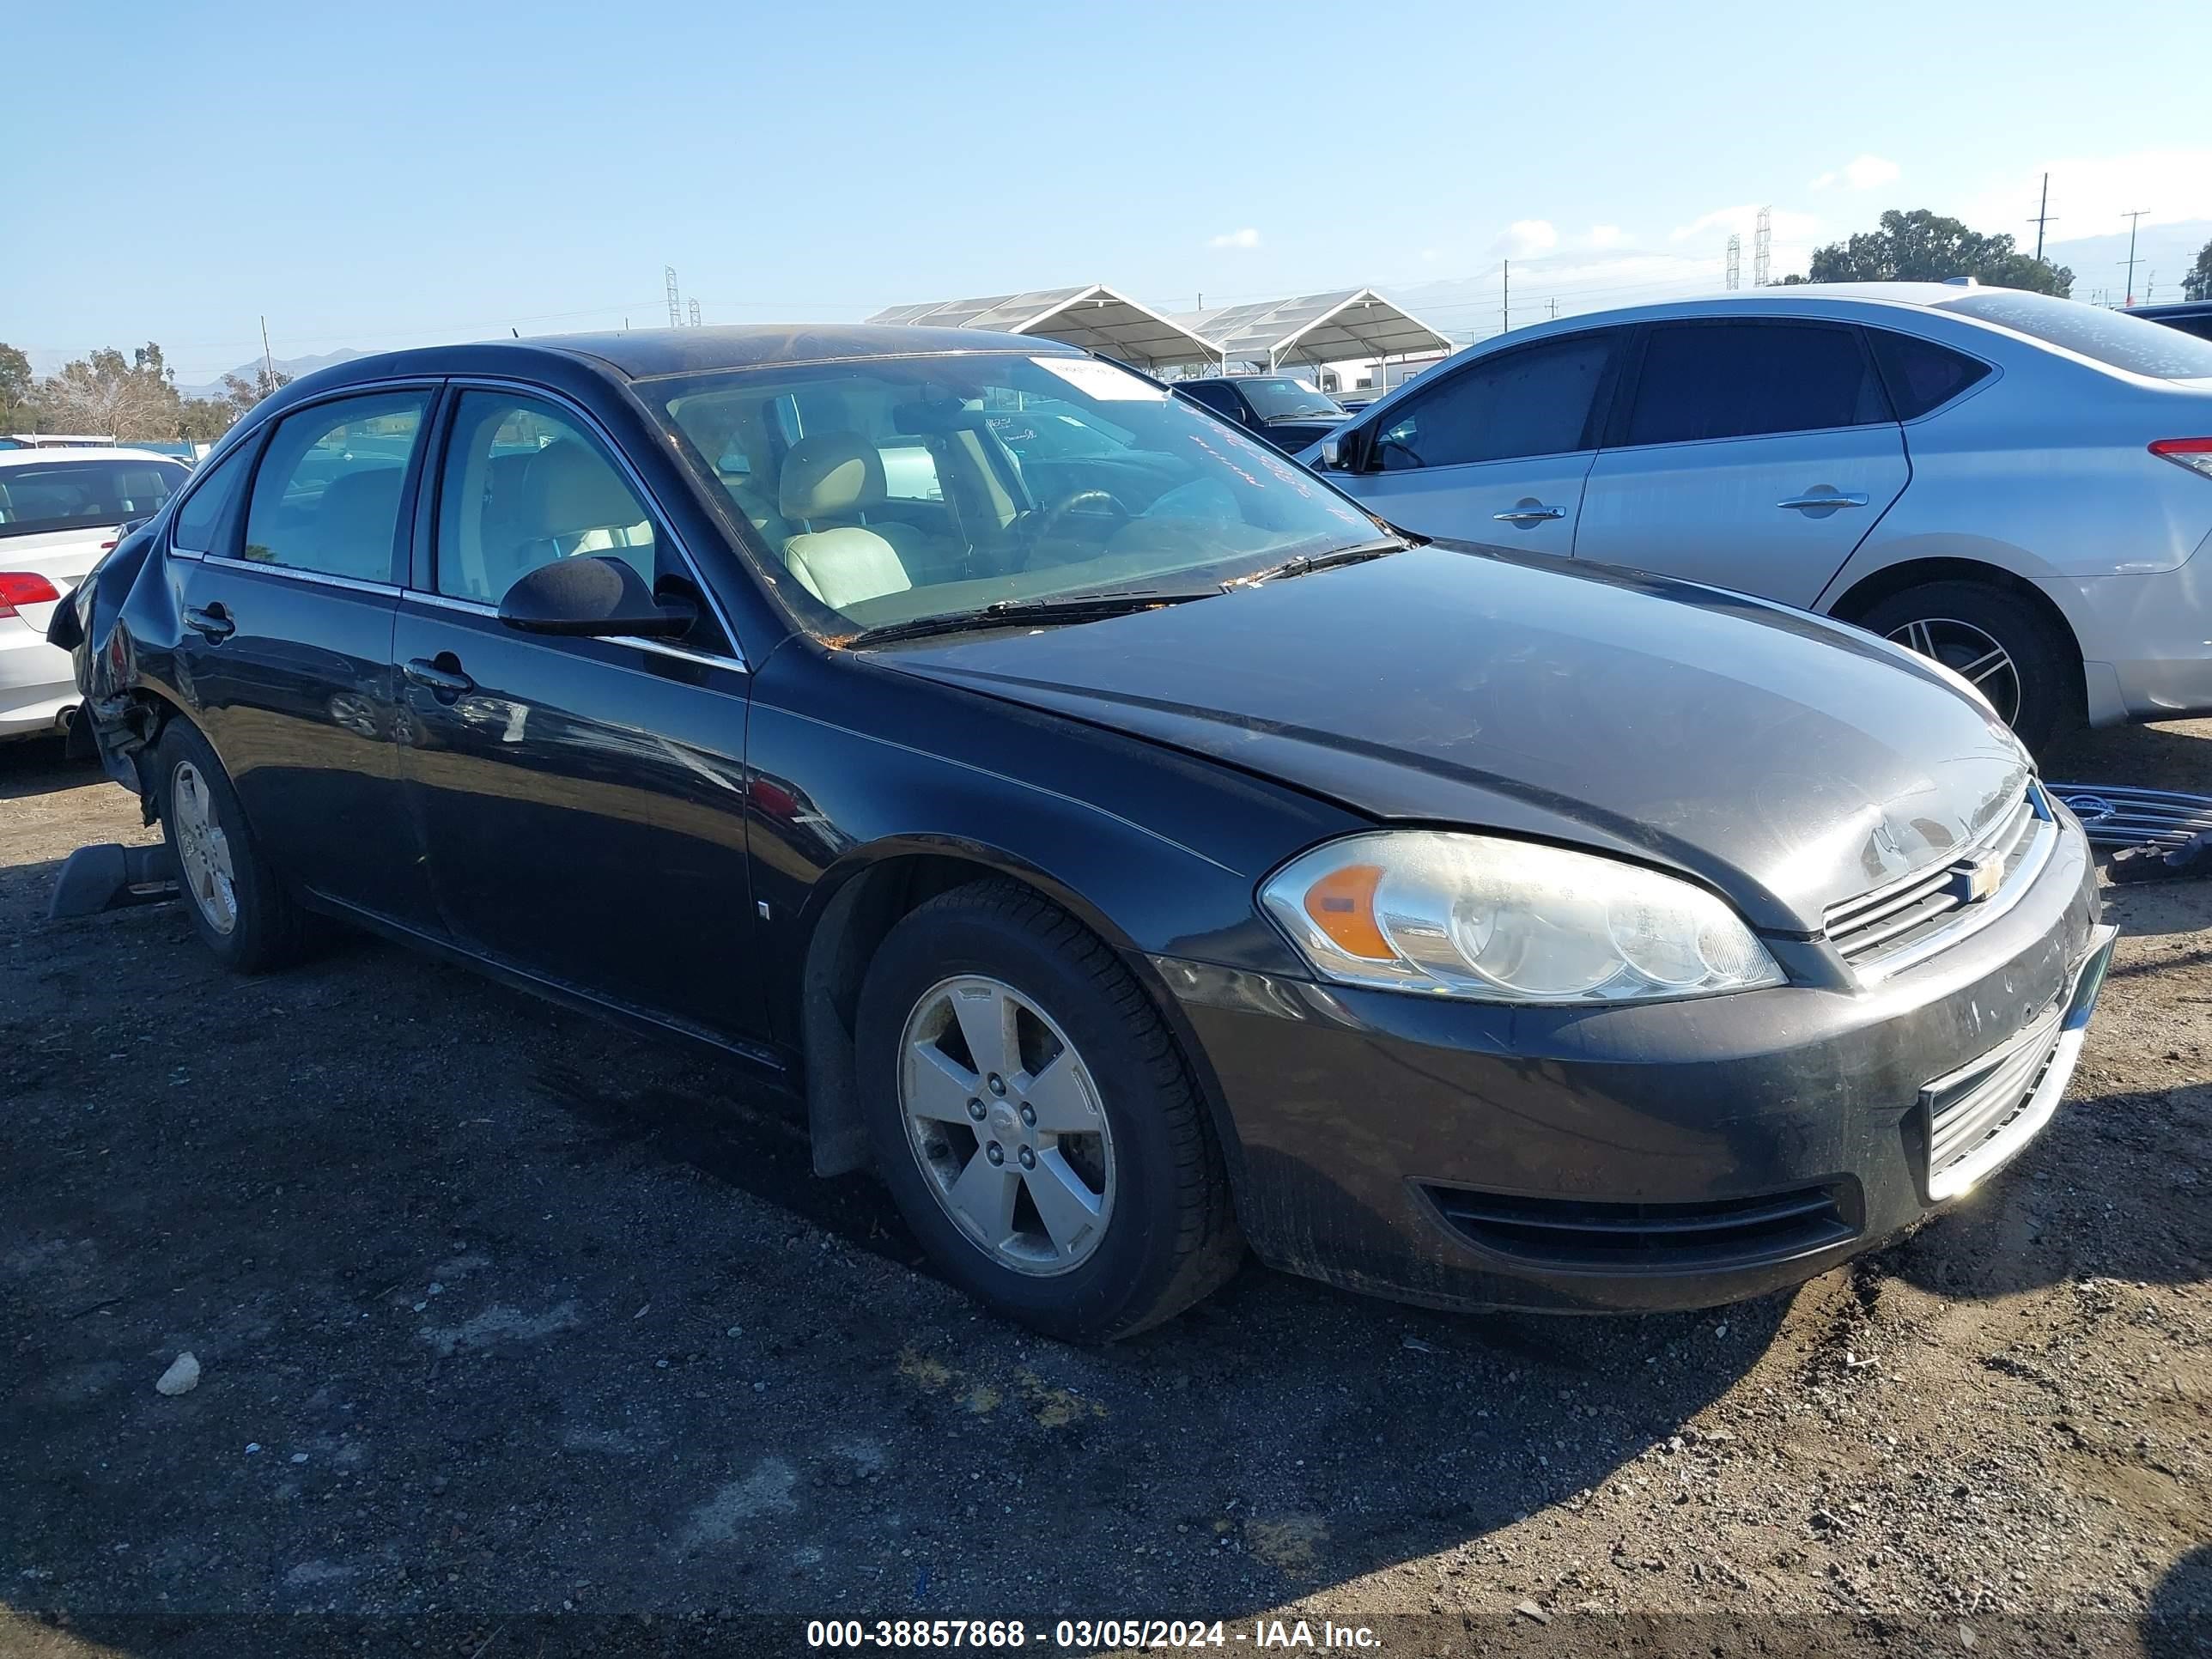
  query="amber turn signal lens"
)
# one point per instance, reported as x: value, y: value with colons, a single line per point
x: 1342, y: 905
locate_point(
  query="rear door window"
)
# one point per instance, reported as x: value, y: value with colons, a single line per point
x: 1533, y: 401
x: 327, y: 496
x: 1750, y: 378
x: 82, y: 495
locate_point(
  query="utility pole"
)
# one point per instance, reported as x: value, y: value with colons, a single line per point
x: 1505, y: 296
x: 1555, y: 307
x: 268, y: 363
x: 1735, y: 264
x: 1762, y: 248
x: 2042, y: 218
x: 675, y: 304
x: 2132, y: 217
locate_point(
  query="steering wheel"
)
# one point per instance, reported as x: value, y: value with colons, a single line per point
x: 1049, y: 520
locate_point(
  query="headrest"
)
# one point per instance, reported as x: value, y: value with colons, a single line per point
x: 569, y: 489
x: 831, y: 475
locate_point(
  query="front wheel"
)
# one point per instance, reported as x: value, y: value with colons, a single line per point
x: 1035, y: 1121
x: 1999, y: 643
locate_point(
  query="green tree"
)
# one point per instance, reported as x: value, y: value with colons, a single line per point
x: 1921, y: 247
x: 2196, y: 284
x: 17, y: 410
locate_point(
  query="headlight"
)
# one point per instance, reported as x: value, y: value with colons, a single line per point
x: 1498, y: 920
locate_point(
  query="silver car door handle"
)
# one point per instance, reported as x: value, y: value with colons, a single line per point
x: 1832, y: 498
x: 1530, y: 515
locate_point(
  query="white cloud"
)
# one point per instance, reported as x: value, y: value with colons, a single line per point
x: 1867, y: 172
x: 1605, y: 236
x: 1524, y: 237
x: 1246, y: 237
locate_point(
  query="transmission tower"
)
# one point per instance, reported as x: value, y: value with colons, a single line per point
x: 694, y: 306
x: 1762, y: 248
x: 1735, y: 264
x: 675, y: 304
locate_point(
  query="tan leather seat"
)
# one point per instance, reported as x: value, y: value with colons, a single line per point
x: 831, y: 481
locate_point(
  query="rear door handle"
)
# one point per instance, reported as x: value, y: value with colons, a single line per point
x: 1826, y: 498
x: 1530, y: 513
x: 213, y: 620
x: 442, y: 676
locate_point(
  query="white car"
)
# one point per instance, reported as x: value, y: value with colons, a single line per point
x: 60, y: 509
x: 2017, y: 486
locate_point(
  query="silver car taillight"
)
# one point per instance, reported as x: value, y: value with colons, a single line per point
x: 2195, y: 453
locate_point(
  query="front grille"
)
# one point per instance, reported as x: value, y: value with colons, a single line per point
x: 1905, y: 920
x: 1582, y: 1233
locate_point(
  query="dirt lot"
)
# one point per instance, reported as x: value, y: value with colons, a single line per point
x: 503, y: 1313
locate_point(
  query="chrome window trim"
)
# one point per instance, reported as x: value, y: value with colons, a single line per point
x: 658, y: 647
x: 658, y: 512
x: 321, y: 579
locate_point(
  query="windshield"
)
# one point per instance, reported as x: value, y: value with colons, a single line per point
x: 2109, y: 336
x: 895, y: 487
x: 1275, y: 397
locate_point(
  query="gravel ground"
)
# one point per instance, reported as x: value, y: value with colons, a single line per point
x: 500, y: 1314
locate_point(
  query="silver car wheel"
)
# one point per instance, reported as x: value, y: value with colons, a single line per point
x: 202, y: 849
x: 1006, y: 1121
x: 1970, y: 653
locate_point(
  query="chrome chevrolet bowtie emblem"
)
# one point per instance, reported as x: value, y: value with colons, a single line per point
x: 1973, y: 879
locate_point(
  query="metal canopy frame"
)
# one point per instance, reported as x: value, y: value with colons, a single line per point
x: 1095, y: 317
x: 1316, y: 328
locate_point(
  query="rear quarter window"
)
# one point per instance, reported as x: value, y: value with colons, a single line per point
x: 1920, y: 375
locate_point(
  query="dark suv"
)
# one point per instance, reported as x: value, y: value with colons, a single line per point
x: 1284, y: 411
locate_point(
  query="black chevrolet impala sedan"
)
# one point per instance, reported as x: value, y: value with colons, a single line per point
x: 1117, y: 839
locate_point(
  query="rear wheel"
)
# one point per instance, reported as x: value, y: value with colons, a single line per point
x: 237, y: 906
x: 1035, y: 1120
x: 1999, y: 643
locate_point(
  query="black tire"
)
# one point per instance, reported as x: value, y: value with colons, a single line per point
x: 2048, y: 667
x: 1171, y: 1237
x: 269, y: 929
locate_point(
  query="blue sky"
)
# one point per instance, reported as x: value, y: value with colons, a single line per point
x: 371, y: 176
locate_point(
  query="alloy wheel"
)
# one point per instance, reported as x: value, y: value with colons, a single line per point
x: 1006, y: 1121
x: 1969, y: 652
x: 202, y: 849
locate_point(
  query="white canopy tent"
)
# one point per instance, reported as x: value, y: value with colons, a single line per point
x: 1096, y: 318
x: 1314, y: 328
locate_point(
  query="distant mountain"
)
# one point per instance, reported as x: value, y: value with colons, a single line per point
x: 295, y: 366
x: 2163, y: 253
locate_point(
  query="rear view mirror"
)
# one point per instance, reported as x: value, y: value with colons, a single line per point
x: 598, y: 596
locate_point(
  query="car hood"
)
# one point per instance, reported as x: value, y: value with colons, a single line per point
x: 1784, y: 760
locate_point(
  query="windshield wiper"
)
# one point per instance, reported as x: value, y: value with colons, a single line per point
x: 1074, y: 608
x: 1306, y: 563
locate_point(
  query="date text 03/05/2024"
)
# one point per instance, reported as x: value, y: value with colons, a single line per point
x: 1085, y: 1635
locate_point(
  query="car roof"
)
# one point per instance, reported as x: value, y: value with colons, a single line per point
x: 83, y: 452
x: 643, y: 353
x: 2172, y: 309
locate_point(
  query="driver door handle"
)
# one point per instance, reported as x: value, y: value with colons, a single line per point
x: 213, y: 621
x: 445, y: 680
x: 1533, y: 512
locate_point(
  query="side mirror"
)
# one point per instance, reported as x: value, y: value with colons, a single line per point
x: 596, y: 596
x: 1332, y: 453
